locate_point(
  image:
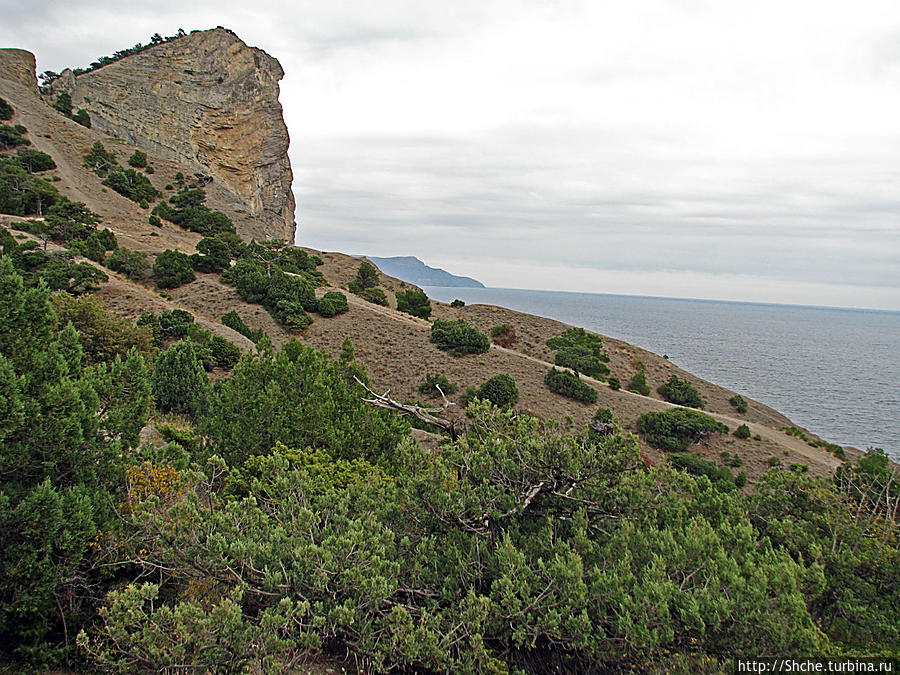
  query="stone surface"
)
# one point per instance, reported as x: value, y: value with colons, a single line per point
x: 17, y: 65
x: 210, y: 102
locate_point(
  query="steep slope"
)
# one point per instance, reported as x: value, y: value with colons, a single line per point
x: 209, y: 102
x: 394, y: 346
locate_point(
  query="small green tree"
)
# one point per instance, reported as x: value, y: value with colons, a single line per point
x: 366, y: 276
x: 6, y: 110
x: 138, y: 159
x: 172, y: 269
x: 180, y: 384
x: 332, y: 303
x: 501, y: 390
x: 133, y: 264
x: 676, y: 429
x: 742, y: 431
x: 414, y: 301
x: 459, y: 337
x: 680, y: 392
x: 568, y: 384
x: 638, y: 384
x: 63, y: 103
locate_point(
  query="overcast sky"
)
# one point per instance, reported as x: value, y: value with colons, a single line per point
x: 722, y: 149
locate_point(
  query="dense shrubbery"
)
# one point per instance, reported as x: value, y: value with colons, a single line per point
x: 581, y: 351
x: 332, y: 303
x: 742, y: 431
x: 376, y: 296
x: 68, y: 420
x: 214, y: 255
x: 429, y: 386
x: 680, y: 392
x: 172, y: 269
x: 414, y: 301
x: 638, y: 384
x: 57, y: 271
x: 133, y: 264
x: 459, y: 337
x: 458, y: 303
x: 281, y: 278
x: 131, y: 184
x: 6, y: 110
x: 568, y: 384
x: 677, y: 429
x: 695, y: 465
x: 187, y: 210
x: 515, y: 547
x: 138, y: 159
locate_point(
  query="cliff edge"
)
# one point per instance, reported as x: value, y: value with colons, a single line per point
x: 17, y: 65
x: 210, y: 102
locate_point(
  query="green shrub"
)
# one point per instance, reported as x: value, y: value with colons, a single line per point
x: 34, y: 161
x: 174, y: 324
x: 695, y: 465
x: 457, y: 303
x: 459, y: 337
x: 213, y: 255
x: 224, y: 353
x: 154, y: 220
x: 602, y: 424
x: 236, y: 323
x: 676, y: 429
x: 414, y: 301
x: 568, y: 384
x: 639, y: 384
x: 131, y: 184
x: 138, y: 159
x: 82, y: 117
x: 187, y: 210
x: 429, y: 386
x: 374, y: 295
x: 681, y: 392
x: 740, y: 480
x: 615, y: 383
x: 742, y: 431
x: 739, y: 403
x: 581, y: 351
x: 774, y: 461
x: 12, y: 136
x: 172, y: 269
x: 6, y: 110
x: 501, y: 390
x: 99, y: 160
x: 333, y: 302
x: 133, y: 264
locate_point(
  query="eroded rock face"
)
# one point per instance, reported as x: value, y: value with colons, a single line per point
x: 210, y: 102
x: 17, y: 65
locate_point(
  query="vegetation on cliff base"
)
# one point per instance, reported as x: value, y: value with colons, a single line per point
x: 291, y: 516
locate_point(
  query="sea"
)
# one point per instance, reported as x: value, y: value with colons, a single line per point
x: 833, y: 371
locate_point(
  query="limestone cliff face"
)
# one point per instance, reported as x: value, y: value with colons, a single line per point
x: 210, y: 102
x: 17, y: 65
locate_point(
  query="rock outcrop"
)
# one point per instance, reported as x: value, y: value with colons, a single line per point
x: 209, y: 102
x: 17, y: 65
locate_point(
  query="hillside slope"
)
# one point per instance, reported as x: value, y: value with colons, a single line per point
x: 394, y: 346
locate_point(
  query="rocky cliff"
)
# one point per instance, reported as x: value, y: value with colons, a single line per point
x: 207, y: 101
x: 17, y: 66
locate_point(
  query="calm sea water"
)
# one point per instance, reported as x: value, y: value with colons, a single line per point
x: 833, y: 371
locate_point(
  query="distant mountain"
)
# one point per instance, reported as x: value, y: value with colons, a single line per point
x: 414, y: 271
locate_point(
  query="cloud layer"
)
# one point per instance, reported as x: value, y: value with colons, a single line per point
x: 684, y: 148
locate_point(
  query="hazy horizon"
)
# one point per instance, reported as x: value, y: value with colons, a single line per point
x: 679, y: 148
